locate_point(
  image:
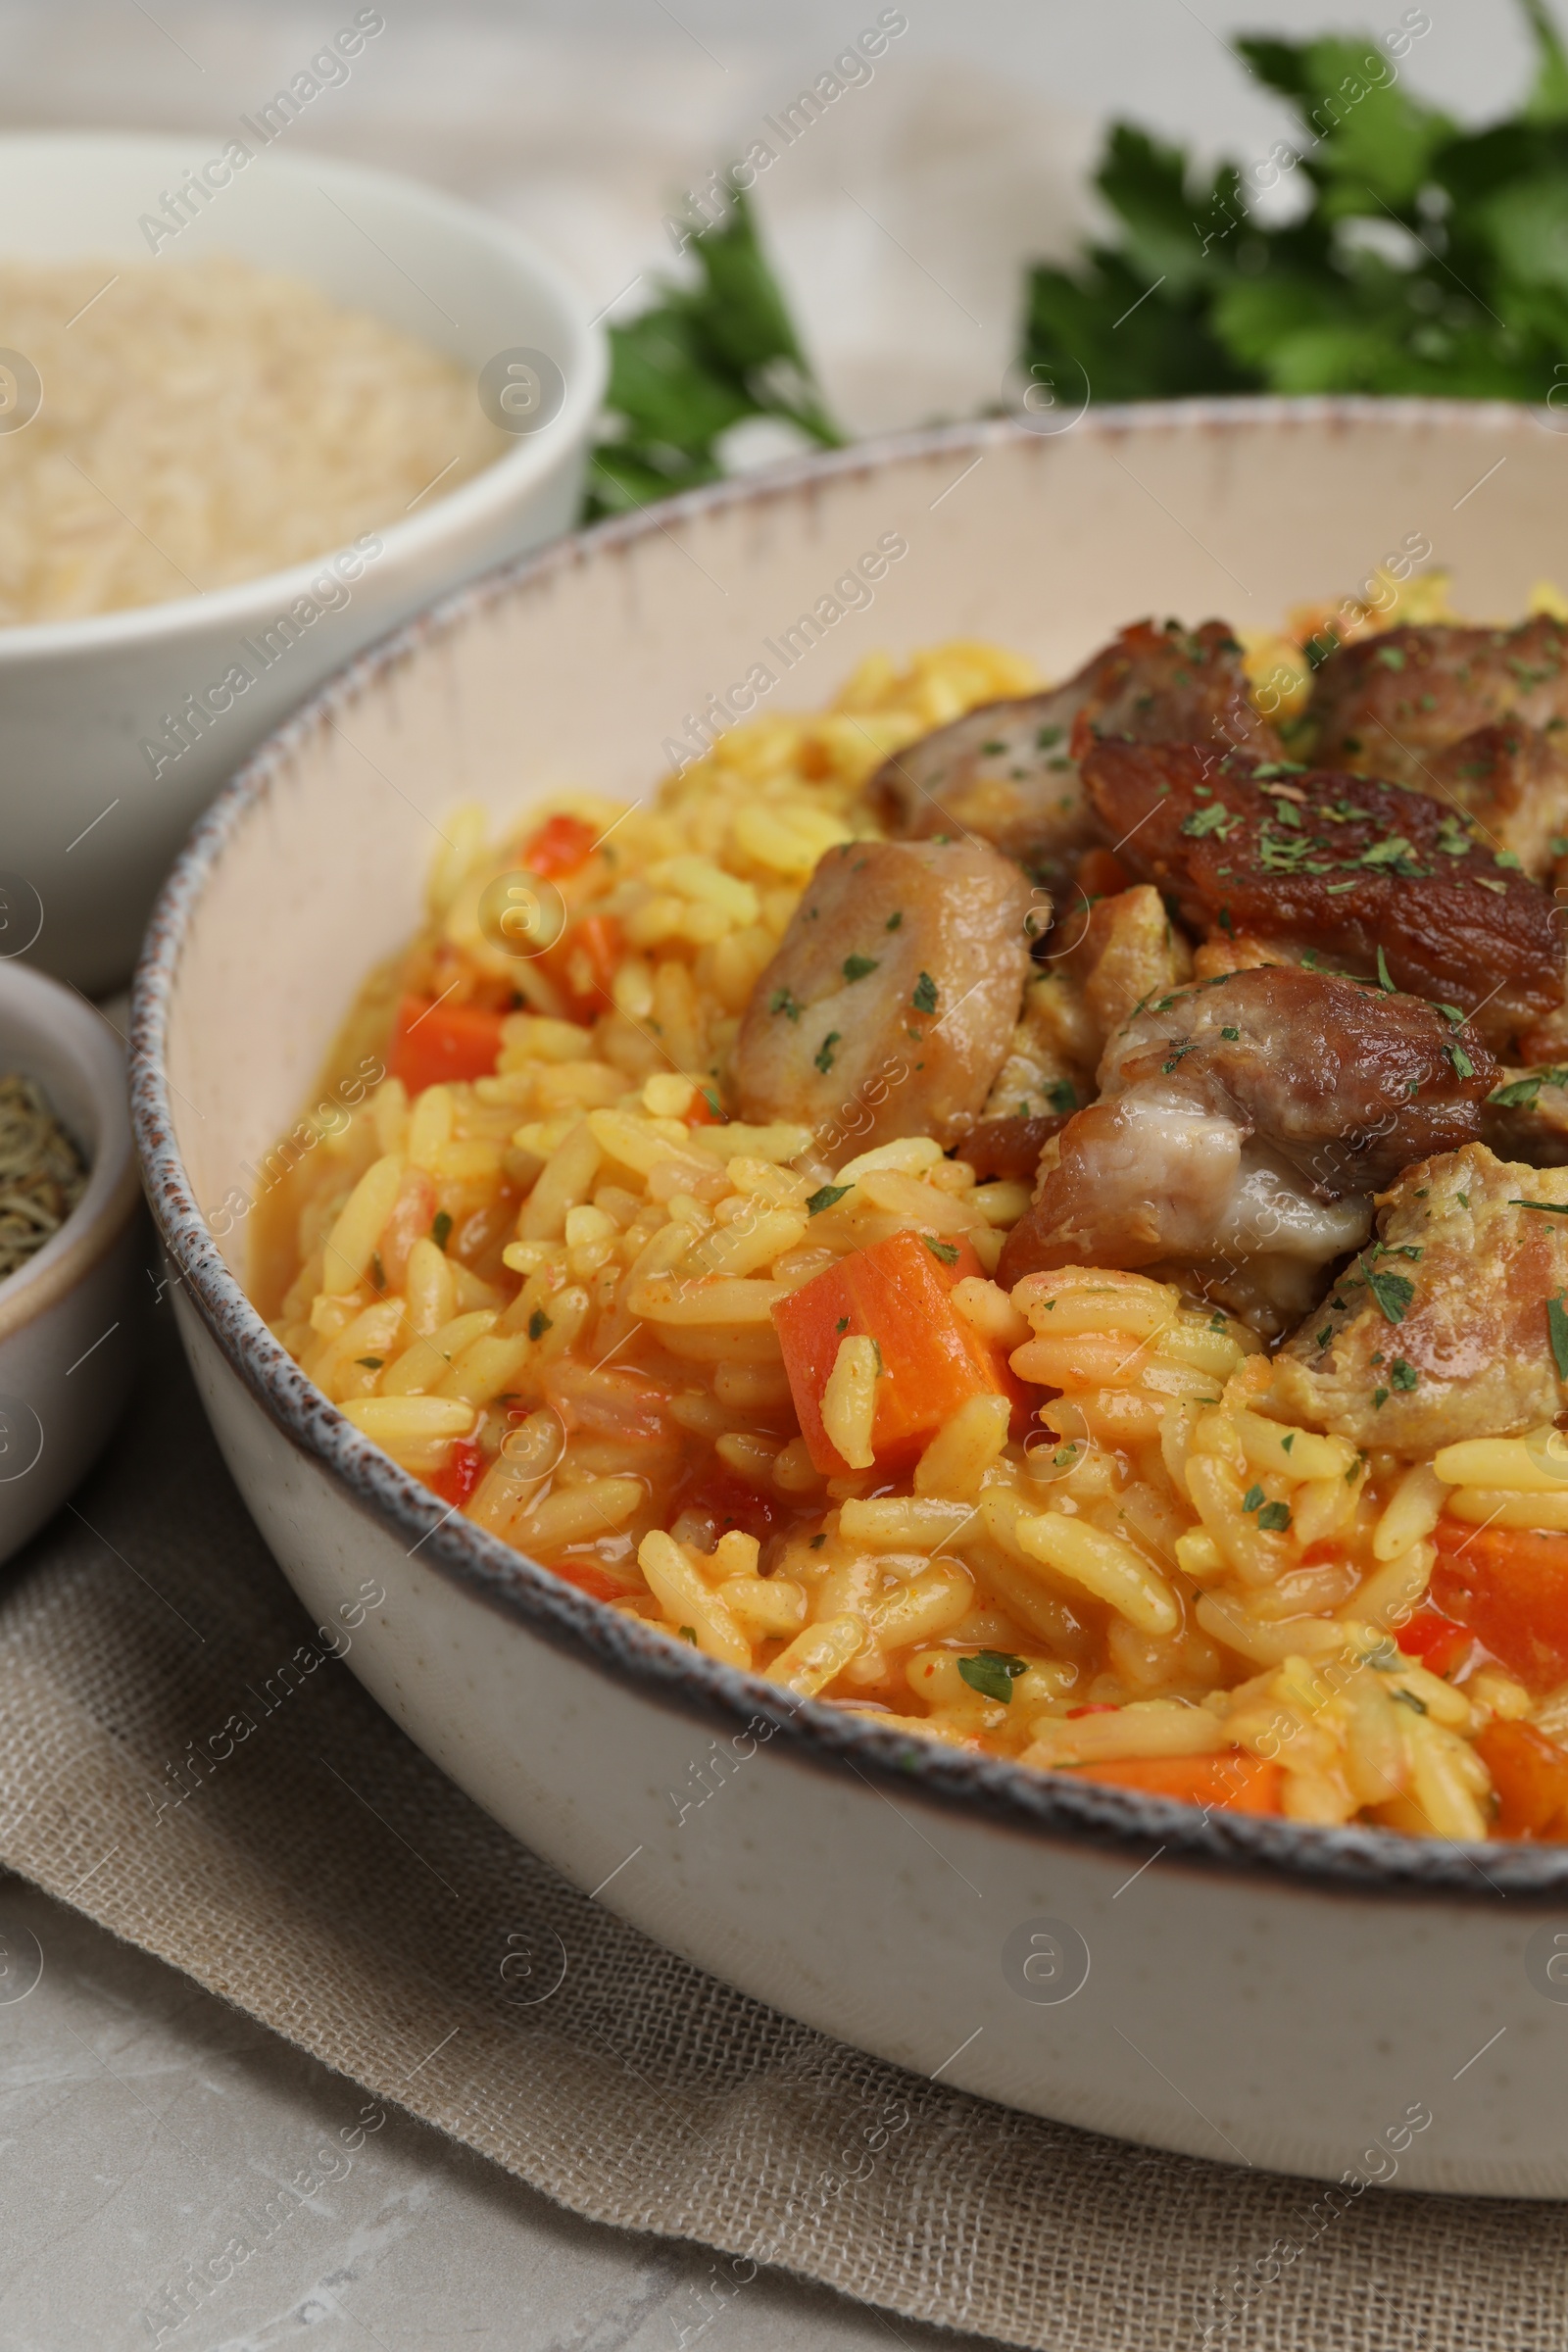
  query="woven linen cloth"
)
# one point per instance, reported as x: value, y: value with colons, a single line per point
x: 331, y: 1881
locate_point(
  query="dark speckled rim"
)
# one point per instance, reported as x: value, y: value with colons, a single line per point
x: 1051, y: 1806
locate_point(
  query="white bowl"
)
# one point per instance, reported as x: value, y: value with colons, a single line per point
x: 1237, y: 1988
x: 86, y: 830
x: 71, y: 1317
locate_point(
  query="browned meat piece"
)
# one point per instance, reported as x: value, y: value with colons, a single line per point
x: 1440, y: 1330
x: 1099, y: 965
x: 1009, y: 772
x: 1384, y: 704
x: 1339, y: 865
x: 1526, y: 1117
x: 1011, y: 1147
x: 892, y: 997
x: 1512, y: 783
x: 1242, y: 1129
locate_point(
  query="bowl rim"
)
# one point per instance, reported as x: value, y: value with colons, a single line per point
x: 1348, y: 1860
x: 109, y: 1196
x: 409, y: 541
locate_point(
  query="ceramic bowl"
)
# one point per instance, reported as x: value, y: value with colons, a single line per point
x: 86, y: 828
x: 1255, y: 1991
x: 71, y: 1316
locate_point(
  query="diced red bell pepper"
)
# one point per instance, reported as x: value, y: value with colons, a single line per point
x: 457, y: 1481
x: 1099, y: 1706
x: 591, y: 1579
x: 730, y: 1502
x: 1509, y: 1586
x: 1228, y: 1783
x: 898, y: 1294
x: 584, y: 962
x: 432, y: 1042
x: 560, y: 847
x: 1439, y: 1643
x: 1530, y: 1774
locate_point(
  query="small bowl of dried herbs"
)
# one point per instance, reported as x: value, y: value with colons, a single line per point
x: 72, y: 1245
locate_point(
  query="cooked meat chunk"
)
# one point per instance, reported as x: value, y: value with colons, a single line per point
x: 1339, y: 865
x: 889, y: 1006
x: 1526, y: 1116
x: 1011, y: 1147
x: 1387, y: 704
x: 1512, y: 783
x: 1242, y: 1130
x: 1439, y: 1332
x: 1009, y: 772
x: 1117, y: 952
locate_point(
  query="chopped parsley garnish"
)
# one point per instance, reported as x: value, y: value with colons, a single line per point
x: 1463, y: 1066
x: 1392, y: 1291
x: 894, y: 919
x: 372, y: 1363
x: 1408, y: 1698
x: 1287, y: 1442
x: 1383, y: 982
x: 1521, y: 1092
x: 377, y: 1270
x: 843, y: 1324
x: 1547, y: 1208
x: 1325, y: 1335
x: 1216, y: 818
x: 824, y: 1056
x: 856, y: 968
x: 1045, y: 737
x: 538, y: 1324
x: 818, y: 1542
x: 947, y: 1252
x: 1403, y: 1375
x: 924, y: 999
x: 1275, y: 1516
x: 1179, y: 1047
x: 1557, y: 1328
x: 688, y: 1632
x: 993, y: 1673
x: 825, y: 1198
x: 1062, y: 1095
x: 1234, y: 1035
x: 1389, y: 656
x: 992, y: 750
x: 441, y: 1228
x: 1380, y: 1397
x: 785, y: 1002
x: 1252, y: 1500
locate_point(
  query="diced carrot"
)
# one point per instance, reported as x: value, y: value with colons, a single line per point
x: 464, y: 1466
x: 432, y: 1042
x: 1439, y: 1643
x: 584, y: 962
x: 706, y: 1109
x: 1099, y: 1706
x: 897, y: 1293
x: 1229, y: 1783
x: 561, y: 845
x: 1530, y: 1774
x: 1509, y: 1586
x: 1101, y: 874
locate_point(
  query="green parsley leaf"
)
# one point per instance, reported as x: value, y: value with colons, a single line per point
x: 377, y: 1270
x: 372, y: 1363
x: 1547, y: 1208
x: 1463, y: 1066
x: 1521, y: 1092
x: 818, y: 1542
x: 824, y: 1056
x: 1383, y: 982
x: 539, y: 1323
x: 1390, y: 657
x: 843, y: 1324
x: 947, y: 1252
x: 1380, y: 1397
x: 825, y: 1198
x: 1275, y: 1517
x: 1557, y: 1328
x: 441, y: 1228
x: 1062, y: 1094
x: 993, y: 1673
x: 894, y: 919
x: 1408, y: 1698
x: 1403, y: 1375
x: 688, y: 1632
x: 1234, y: 1035
x: 1252, y: 1500
x: 856, y: 968
x: 1392, y: 1291
x: 924, y: 999
x: 785, y: 1002
x: 1216, y: 818
x: 1325, y: 1335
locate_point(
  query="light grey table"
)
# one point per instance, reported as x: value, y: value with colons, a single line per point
x: 144, y: 2125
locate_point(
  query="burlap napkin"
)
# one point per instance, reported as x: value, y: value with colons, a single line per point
x: 326, y: 1878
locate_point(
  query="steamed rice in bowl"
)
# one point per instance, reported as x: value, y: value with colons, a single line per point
x: 551, y: 1238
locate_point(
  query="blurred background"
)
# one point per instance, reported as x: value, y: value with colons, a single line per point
x: 900, y: 224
